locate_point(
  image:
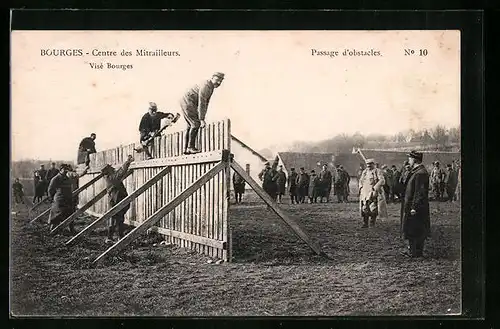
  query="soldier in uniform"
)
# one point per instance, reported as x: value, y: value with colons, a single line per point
x: 116, y: 193
x: 194, y: 105
x: 39, y: 187
x: 347, y: 180
x: 281, y: 183
x: 268, y: 178
x: 42, y: 172
x: 292, y: 186
x: 238, y: 186
x: 61, y: 193
x: 371, y: 195
x: 437, y: 181
x: 150, y: 124
x: 18, y: 191
x: 450, y: 181
x: 396, y: 184
x: 85, y: 149
x: 325, y: 177
x: 302, y: 185
x: 314, y: 187
x: 52, y: 172
x: 388, y: 176
x: 339, y: 185
x: 415, y: 206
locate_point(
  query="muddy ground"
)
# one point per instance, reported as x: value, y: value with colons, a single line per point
x: 273, y: 272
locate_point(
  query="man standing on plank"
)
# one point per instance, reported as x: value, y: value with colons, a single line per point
x: 150, y: 124
x: 194, y: 105
x: 85, y: 149
x: 116, y: 193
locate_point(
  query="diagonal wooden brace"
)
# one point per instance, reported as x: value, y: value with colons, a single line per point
x: 163, y: 211
x: 274, y: 206
x: 113, y: 211
x: 84, y: 208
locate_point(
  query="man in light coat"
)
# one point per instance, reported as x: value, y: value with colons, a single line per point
x: 372, y: 202
x: 194, y: 105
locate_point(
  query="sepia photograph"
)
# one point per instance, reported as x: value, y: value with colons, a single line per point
x: 235, y: 173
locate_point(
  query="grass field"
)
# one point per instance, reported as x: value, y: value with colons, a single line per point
x: 273, y: 273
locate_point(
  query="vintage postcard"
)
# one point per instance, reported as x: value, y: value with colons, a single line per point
x: 235, y: 173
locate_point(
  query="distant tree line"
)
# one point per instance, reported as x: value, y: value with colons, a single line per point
x: 26, y: 168
x: 437, y: 138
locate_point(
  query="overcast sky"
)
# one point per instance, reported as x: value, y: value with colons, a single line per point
x: 275, y: 91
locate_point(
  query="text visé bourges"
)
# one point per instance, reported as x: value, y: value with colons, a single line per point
x: 109, y: 53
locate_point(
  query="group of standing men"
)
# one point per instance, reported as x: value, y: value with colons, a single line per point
x: 304, y: 187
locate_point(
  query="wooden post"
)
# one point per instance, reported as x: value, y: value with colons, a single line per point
x: 113, y: 211
x: 162, y: 212
x: 274, y: 206
x: 84, y: 208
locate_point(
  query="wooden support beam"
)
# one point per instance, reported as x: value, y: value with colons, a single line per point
x: 36, y: 205
x: 46, y: 212
x: 90, y: 182
x: 257, y: 154
x: 274, y: 206
x: 188, y: 159
x: 113, y: 211
x: 162, y: 212
x: 185, y: 236
x: 84, y: 208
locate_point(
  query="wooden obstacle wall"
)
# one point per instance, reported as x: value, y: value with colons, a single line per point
x: 199, y: 223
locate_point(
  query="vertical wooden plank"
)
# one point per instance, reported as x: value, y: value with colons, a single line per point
x: 227, y: 188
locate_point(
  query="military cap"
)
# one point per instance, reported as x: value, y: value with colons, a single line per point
x: 292, y: 168
x: 370, y: 161
x: 384, y: 166
x: 312, y: 171
x: 219, y: 74
x: 152, y: 105
x: 416, y: 155
x: 64, y: 166
x: 302, y: 168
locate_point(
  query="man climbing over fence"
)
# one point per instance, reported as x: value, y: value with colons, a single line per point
x: 194, y: 105
x: 85, y: 149
x: 150, y: 126
x: 116, y: 192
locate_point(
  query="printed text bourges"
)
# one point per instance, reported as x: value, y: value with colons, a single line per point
x: 77, y: 52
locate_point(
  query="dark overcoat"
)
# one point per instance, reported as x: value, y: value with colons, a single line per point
x: 281, y: 182
x: 60, y: 191
x: 116, y: 189
x: 238, y: 183
x: 417, y: 198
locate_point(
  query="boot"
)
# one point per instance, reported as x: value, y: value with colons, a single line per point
x: 186, y: 140
x: 193, y: 133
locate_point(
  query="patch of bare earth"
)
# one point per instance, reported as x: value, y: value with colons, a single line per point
x: 273, y: 272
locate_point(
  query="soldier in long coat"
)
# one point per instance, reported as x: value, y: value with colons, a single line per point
x: 347, y: 180
x: 280, y: 183
x: 43, y: 179
x: 340, y: 184
x: 85, y: 149
x: 39, y: 187
x: 396, y: 185
x: 326, y: 180
x: 194, y: 105
x: 292, y: 186
x: 116, y: 193
x: 388, y: 176
x: 238, y: 186
x: 61, y: 193
x: 415, y: 206
x: 314, y: 187
x: 302, y: 185
x: 371, y: 195
x: 450, y: 181
x: 51, y: 172
x: 268, y: 178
